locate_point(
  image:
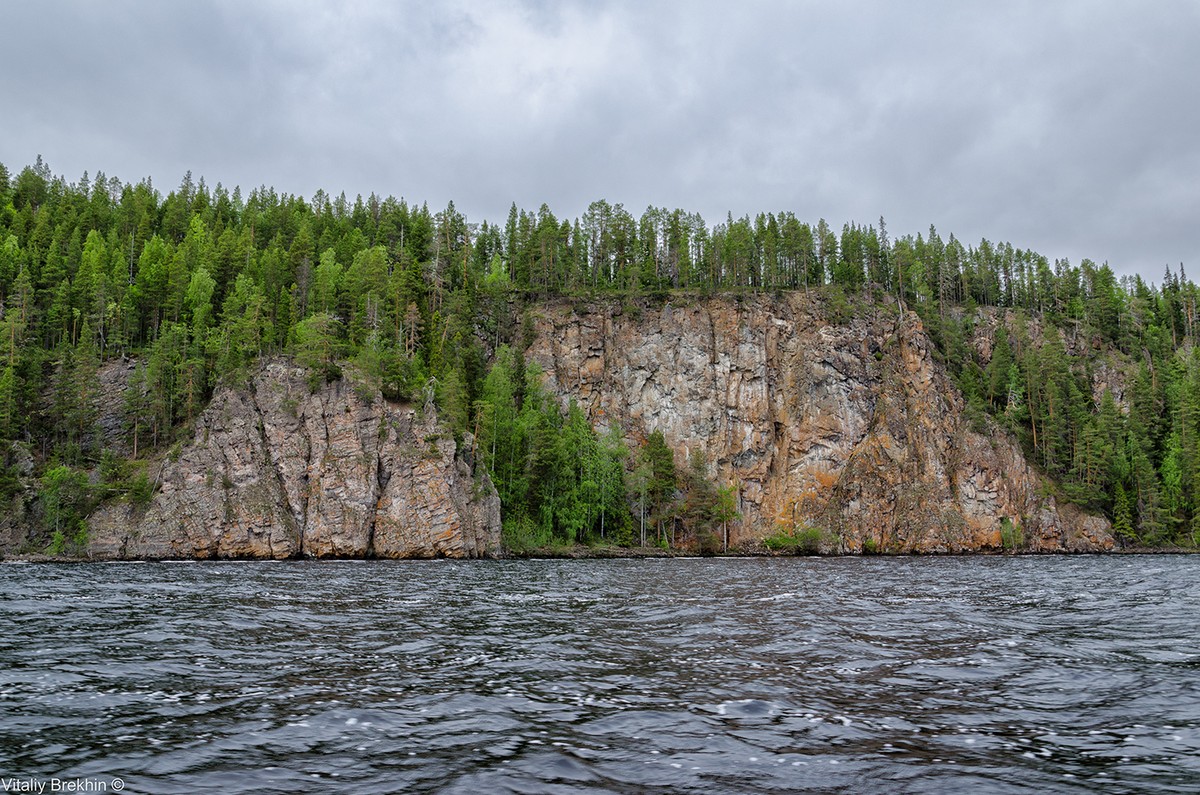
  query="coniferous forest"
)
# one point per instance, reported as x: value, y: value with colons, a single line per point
x: 196, y: 285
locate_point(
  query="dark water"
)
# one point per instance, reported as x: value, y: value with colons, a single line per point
x: 855, y: 675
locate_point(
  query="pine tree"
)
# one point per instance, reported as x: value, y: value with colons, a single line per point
x: 10, y: 418
x: 998, y: 373
x: 662, y: 481
x: 1122, y: 515
x: 316, y: 344
x: 1171, y: 492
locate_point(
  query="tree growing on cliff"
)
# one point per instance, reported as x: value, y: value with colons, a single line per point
x: 65, y: 500
x: 316, y: 344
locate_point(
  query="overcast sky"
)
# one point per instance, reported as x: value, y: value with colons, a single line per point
x: 1072, y: 128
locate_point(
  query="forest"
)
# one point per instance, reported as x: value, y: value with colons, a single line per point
x: 197, y: 285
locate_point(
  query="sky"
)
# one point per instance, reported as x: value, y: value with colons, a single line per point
x: 1072, y: 128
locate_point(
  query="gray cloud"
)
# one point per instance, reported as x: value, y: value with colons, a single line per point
x: 1067, y: 127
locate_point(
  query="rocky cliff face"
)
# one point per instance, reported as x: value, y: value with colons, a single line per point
x: 278, y: 471
x: 852, y: 428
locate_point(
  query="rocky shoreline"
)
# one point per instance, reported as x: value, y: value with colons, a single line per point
x: 849, y: 429
x: 582, y: 552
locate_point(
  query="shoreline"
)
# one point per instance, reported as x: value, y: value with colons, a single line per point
x: 603, y: 553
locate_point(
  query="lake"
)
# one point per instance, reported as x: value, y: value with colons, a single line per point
x: 980, y: 674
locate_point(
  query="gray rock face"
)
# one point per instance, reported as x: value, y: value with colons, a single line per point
x: 850, y: 427
x: 275, y: 471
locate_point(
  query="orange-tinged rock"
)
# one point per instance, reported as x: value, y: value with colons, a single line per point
x: 852, y: 427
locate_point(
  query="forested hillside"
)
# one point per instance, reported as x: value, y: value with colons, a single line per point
x: 196, y: 285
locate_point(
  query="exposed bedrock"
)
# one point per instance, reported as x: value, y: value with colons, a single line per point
x: 851, y: 427
x: 276, y: 470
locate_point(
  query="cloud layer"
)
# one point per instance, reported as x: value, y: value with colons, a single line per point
x: 1065, y: 127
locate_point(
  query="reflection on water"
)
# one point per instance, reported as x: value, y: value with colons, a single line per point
x: 863, y: 675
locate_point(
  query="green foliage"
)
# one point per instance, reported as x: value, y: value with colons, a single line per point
x: 838, y: 306
x: 141, y: 490
x: 10, y: 475
x: 725, y: 511
x: 197, y: 284
x: 316, y: 344
x: 557, y: 479
x: 1123, y: 516
x: 800, y: 540
x: 65, y: 498
x: 114, y: 472
x: 122, y: 476
x: 523, y: 536
x: 199, y: 301
x: 661, y: 483
x: 1012, y: 536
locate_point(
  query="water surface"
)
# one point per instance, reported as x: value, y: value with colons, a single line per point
x: 745, y: 675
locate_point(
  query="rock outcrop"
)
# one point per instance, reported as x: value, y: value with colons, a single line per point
x: 278, y: 471
x: 853, y: 428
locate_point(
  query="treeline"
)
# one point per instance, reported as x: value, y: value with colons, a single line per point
x: 197, y: 284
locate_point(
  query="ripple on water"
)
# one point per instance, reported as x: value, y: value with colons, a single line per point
x: 864, y: 675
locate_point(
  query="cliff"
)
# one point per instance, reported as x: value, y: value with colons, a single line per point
x: 844, y: 425
x: 276, y: 470
x: 852, y: 427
